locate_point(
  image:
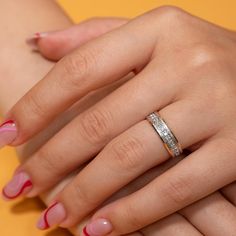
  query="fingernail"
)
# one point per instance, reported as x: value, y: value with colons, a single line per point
x: 54, y: 215
x: 8, y: 133
x: 98, y: 227
x: 19, y: 185
x: 33, y: 40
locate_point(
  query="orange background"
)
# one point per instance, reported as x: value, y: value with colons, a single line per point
x: 19, y: 217
x: 219, y: 11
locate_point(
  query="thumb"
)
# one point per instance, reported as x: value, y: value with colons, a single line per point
x: 56, y: 44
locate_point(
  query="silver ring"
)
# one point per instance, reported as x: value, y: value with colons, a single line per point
x: 168, y: 138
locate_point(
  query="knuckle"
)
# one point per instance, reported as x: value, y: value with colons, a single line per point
x: 168, y: 17
x: 203, y: 55
x: 133, y: 217
x: 128, y: 215
x: 35, y: 106
x: 48, y: 162
x: 168, y: 12
x: 209, y: 59
x: 168, y: 9
x: 83, y: 197
x: 78, y: 66
x: 127, y: 152
x: 178, y: 190
x: 95, y: 126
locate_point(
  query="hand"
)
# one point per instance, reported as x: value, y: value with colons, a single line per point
x: 199, y: 217
x: 179, y: 102
x: 193, y: 221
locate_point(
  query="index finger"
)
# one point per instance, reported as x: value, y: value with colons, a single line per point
x: 95, y: 64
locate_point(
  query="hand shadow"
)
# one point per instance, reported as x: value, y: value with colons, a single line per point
x: 58, y: 232
x: 28, y: 205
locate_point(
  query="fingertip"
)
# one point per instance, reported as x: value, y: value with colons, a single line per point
x: 49, y: 44
x: 51, y: 48
x: 33, y: 40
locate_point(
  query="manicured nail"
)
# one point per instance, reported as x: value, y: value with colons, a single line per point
x: 98, y: 227
x: 33, y: 41
x: 19, y: 185
x: 8, y: 133
x: 54, y: 215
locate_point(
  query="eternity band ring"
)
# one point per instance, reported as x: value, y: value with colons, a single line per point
x: 168, y: 138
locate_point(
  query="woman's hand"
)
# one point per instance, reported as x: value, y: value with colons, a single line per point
x: 197, y: 219
x: 178, y: 60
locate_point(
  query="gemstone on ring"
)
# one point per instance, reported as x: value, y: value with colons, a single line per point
x: 168, y: 138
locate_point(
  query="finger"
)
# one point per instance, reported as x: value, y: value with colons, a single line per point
x: 94, y: 65
x: 56, y: 44
x: 174, y: 224
x: 173, y: 190
x: 213, y: 215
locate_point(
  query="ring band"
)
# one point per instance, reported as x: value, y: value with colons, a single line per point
x: 168, y: 138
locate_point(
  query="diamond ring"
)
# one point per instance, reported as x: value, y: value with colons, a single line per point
x: 168, y: 138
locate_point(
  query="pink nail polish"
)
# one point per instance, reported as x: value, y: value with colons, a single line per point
x: 54, y: 215
x: 98, y: 227
x: 8, y: 133
x: 33, y: 41
x: 19, y: 185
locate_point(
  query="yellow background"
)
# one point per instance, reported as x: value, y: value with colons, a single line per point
x: 18, y: 218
